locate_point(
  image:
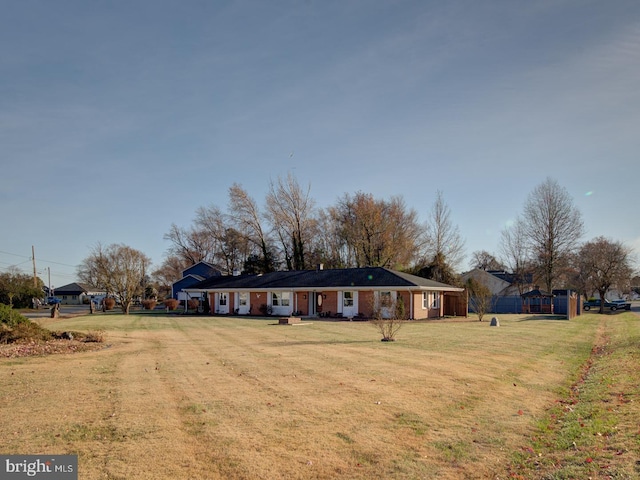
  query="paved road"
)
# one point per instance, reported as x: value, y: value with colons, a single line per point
x: 45, y: 312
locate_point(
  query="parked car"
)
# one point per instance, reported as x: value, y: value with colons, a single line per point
x: 53, y: 300
x: 97, y: 299
x: 622, y: 304
x: 612, y: 305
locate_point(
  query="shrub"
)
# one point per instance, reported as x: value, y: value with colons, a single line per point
x: 192, y: 304
x: 171, y: 303
x: 149, y: 304
x: 265, y: 309
x: 11, y: 317
x: 400, y: 312
x: 388, y: 327
x: 23, y: 331
x: 480, y: 297
x: 109, y: 303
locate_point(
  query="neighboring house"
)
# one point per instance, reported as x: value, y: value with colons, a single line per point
x: 507, y: 298
x: 503, y: 287
x: 526, y: 282
x: 615, y: 294
x: 497, y: 285
x: 192, y: 276
x: 76, y: 293
x: 346, y: 293
x: 499, y: 282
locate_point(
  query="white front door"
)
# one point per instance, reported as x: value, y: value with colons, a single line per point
x: 349, y: 304
x: 242, y: 303
x: 223, y: 302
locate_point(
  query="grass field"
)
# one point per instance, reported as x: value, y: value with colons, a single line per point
x: 183, y: 397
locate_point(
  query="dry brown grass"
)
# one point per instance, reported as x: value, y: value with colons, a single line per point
x: 207, y: 398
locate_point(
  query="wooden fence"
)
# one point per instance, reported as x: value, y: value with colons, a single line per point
x: 455, y: 304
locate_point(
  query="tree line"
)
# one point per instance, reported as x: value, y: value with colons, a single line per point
x: 545, y: 244
x: 288, y: 232
x: 18, y: 289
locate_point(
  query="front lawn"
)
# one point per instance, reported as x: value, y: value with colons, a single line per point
x: 220, y: 397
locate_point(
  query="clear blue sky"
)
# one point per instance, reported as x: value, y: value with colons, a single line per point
x: 120, y: 118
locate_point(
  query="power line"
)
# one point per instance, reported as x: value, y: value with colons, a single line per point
x: 16, y: 264
x: 29, y: 258
x: 14, y: 254
x: 21, y: 270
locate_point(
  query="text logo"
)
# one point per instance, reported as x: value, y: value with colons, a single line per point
x: 49, y: 467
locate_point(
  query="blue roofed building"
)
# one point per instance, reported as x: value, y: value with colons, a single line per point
x: 192, y: 276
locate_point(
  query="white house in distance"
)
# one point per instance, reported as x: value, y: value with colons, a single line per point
x: 77, y: 294
x: 341, y: 293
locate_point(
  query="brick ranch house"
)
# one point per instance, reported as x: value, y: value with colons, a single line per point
x: 341, y: 293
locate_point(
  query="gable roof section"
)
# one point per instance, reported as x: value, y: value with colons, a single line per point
x: 347, y: 278
x: 188, y: 281
x: 537, y: 293
x: 497, y: 285
x: 72, y: 289
x: 512, y: 278
x: 205, y: 269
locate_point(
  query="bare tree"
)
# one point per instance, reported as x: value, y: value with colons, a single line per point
x: 515, y: 254
x: 291, y: 213
x: 483, y: 260
x: 388, y: 316
x: 635, y: 284
x: 247, y: 219
x: 480, y: 297
x: 604, y: 263
x: 376, y: 233
x: 553, y: 227
x: 406, y: 232
x: 328, y: 246
x: 170, y: 271
x: 231, y: 247
x: 443, y: 237
x: 193, y: 245
x: 360, y: 224
x: 118, y: 269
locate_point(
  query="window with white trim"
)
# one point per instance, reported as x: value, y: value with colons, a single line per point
x: 436, y: 300
x: 347, y: 299
x: 425, y: 300
x: 280, y: 299
x: 223, y: 299
x: 243, y: 298
x: 385, y: 299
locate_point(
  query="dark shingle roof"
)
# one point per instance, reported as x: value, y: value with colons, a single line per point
x: 370, y: 277
x: 536, y: 293
x: 73, y: 289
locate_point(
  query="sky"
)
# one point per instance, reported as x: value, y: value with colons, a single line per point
x: 119, y: 118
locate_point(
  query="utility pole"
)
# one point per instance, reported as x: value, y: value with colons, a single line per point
x: 33, y: 256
